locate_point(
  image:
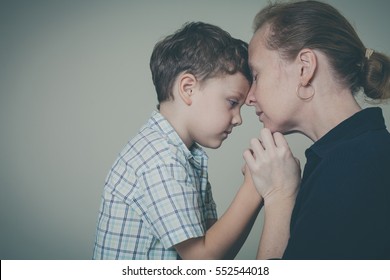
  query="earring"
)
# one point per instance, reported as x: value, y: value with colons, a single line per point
x: 305, y: 98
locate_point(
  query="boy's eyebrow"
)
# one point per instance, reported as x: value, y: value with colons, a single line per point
x: 241, y: 94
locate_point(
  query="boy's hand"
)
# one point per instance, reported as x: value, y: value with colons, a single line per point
x: 274, y: 170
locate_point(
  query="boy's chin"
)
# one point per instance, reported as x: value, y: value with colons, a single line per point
x: 211, y: 145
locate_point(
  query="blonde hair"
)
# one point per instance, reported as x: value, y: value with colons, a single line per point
x: 316, y: 25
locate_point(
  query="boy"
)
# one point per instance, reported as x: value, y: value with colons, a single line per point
x: 157, y: 201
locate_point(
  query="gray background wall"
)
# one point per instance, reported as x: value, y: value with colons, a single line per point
x: 75, y: 86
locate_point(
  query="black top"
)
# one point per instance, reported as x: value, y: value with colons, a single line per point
x: 342, y: 209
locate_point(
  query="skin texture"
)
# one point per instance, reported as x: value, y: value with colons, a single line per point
x: 272, y: 91
x: 216, y: 105
x: 205, y: 112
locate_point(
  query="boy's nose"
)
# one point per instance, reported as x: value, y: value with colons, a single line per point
x: 237, y: 120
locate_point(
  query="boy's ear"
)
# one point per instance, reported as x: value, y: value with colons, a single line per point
x: 186, y: 84
x: 308, y: 65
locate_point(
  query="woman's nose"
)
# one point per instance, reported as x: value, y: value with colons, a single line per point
x: 250, y: 99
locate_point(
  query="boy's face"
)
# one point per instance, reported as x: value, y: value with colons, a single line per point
x: 216, y: 106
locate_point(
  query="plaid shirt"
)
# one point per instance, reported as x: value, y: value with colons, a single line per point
x: 156, y: 195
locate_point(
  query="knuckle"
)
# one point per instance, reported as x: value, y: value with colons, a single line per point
x: 254, y: 141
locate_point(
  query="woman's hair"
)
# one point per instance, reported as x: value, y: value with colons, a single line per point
x: 316, y: 25
x: 198, y: 48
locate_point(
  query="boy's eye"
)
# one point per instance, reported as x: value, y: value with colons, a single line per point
x: 232, y: 102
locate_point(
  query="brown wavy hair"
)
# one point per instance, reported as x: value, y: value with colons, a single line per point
x: 202, y: 49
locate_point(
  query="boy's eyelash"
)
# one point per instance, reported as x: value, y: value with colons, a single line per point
x: 233, y: 102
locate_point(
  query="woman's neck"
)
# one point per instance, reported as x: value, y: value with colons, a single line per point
x: 328, y: 111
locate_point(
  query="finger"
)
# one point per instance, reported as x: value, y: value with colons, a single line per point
x: 245, y: 169
x: 297, y: 161
x: 267, y: 139
x: 280, y: 141
x: 249, y: 159
x: 257, y: 147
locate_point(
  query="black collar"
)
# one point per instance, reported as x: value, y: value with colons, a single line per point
x: 361, y: 122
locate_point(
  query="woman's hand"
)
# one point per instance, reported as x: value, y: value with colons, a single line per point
x: 275, y: 171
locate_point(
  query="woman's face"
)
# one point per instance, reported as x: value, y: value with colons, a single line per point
x: 274, y: 85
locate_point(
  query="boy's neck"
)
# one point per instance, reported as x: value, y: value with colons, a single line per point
x: 177, y: 120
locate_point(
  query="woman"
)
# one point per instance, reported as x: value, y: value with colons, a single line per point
x: 307, y: 64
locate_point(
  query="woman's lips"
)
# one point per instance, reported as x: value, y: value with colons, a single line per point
x: 260, y: 114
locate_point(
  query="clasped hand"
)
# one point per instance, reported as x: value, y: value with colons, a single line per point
x: 275, y: 172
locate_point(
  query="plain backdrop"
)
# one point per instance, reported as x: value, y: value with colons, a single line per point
x: 75, y: 85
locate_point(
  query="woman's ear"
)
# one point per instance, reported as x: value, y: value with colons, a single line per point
x: 308, y: 65
x: 186, y: 84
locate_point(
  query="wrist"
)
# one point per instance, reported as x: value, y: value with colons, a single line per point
x: 251, y: 193
x: 279, y: 197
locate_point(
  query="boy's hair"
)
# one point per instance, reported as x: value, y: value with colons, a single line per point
x: 198, y: 48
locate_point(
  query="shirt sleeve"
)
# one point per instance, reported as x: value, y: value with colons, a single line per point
x: 171, y: 205
x: 211, y: 207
